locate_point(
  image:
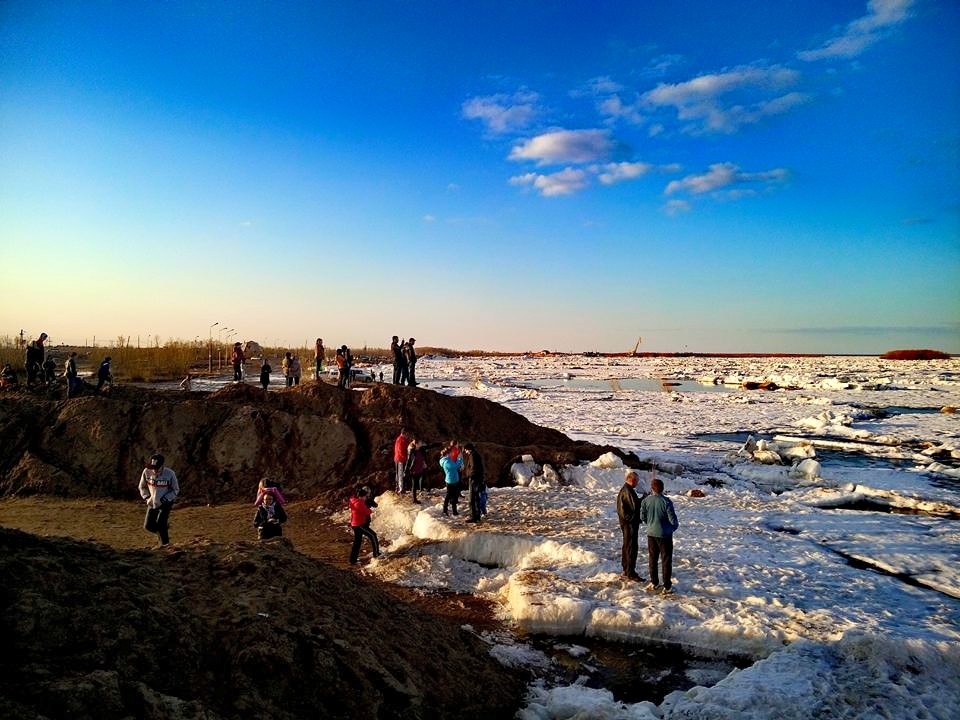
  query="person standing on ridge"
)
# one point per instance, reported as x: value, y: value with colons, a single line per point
x: 348, y: 365
x: 628, y: 512
x: 159, y: 487
x: 661, y: 519
x: 295, y: 369
x: 398, y: 360
x: 410, y: 355
x: 35, y: 356
x: 237, y: 358
x: 318, y: 353
x: 400, y: 447
x: 104, y: 375
x: 265, y: 371
x: 73, y: 378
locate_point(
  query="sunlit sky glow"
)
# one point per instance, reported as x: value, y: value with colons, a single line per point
x: 733, y: 176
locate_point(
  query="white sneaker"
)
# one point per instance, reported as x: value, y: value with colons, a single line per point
x: 651, y: 587
x: 666, y: 591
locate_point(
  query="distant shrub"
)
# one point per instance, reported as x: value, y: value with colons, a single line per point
x: 915, y: 355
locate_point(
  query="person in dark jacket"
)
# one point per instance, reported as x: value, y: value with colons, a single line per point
x: 416, y: 466
x: 661, y: 521
x: 473, y: 474
x: 269, y: 518
x: 238, y: 359
x: 410, y: 356
x: 49, y: 370
x: 35, y: 356
x: 628, y: 512
x: 74, y: 383
x: 265, y: 371
x: 398, y: 360
x: 104, y: 376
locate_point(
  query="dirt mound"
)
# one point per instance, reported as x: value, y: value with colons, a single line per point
x: 315, y: 438
x: 225, y: 630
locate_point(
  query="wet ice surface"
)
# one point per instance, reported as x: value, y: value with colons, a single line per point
x: 843, y: 610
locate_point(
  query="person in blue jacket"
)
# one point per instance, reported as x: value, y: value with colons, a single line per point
x: 451, y: 478
x: 657, y: 513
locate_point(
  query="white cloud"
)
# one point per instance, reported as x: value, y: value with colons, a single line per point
x: 246, y: 223
x: 655, y: 130
x: 565, y: 146
x: 618, y: 172
x: 564, y: 182
x: 452, y: 187
x: 603, y: 85
x: 615, y: 109
x: 882, y: 15
x: 661, y: 64
x: 676, y: 207
x: 722, y: 175
x: 705, y: 100
x: 503, y: 113
x: 429, y: 218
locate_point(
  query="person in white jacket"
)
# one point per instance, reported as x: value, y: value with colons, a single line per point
x: 159, y: 487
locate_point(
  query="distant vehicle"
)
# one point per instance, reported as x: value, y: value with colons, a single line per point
x: 361, y: 374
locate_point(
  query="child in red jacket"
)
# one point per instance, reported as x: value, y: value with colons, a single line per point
x: 360, y: 513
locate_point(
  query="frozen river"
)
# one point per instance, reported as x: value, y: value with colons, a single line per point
x: 827, y: 554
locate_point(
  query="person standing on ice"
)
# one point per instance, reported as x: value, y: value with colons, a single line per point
x: 451, y: 478
x: 473, y: 472
x: 400, y: 454
x: 661, y: 520
x: 628, y: 512
x: 360, y: 514
x: 159, y: 487
x: 416, y: 466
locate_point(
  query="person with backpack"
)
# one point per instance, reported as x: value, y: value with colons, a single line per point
x: 360, y: 515
x: 159, y: 488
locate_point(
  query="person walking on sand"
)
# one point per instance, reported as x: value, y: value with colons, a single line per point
x: 360, y: 514
x: 269, y: 518
x: 265, y: 371
x: 159, y: 487
x: 104, y: 375
x: 238, y: 358
x: 451, y: 478
x: 473, y: 474
x: 410, y: 355
x: 400, y: 448
x: 318, y: 352
x: 661, y: 520
x: 628, y: 512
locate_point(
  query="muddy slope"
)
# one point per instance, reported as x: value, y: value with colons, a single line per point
x: 316, y: 439
x: 225, y: 630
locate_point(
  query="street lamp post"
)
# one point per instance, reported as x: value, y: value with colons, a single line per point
x: 210, y: 347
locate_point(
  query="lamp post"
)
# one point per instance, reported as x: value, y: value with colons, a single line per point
x: 210, y: 347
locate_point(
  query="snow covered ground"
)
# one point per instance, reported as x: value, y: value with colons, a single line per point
x: 828, y: 552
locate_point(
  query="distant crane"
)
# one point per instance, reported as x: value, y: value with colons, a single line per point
x: 636, y: 347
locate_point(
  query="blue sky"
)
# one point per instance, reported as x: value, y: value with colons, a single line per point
x: 711, y: 176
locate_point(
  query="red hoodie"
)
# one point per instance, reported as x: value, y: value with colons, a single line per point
x: 400, y: 448
x: 359, y: 512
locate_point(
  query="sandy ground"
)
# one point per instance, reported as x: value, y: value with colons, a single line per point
x: 119, y: 524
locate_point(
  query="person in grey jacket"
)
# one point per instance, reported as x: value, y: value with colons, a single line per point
x: 628, y: 512
x: 658, y: 514
x: 159, y: 487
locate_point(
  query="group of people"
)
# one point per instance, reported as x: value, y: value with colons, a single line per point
x: 404, y: 361
x: 42, y: 370
x: 657, y: 513
x: 159, y: 489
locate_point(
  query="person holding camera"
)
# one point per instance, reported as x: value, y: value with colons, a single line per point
x: 159, y: 487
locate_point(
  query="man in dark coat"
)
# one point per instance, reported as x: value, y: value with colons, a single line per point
x: 628, y: 512
x: 399, y: 363
x: 34, y: 359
